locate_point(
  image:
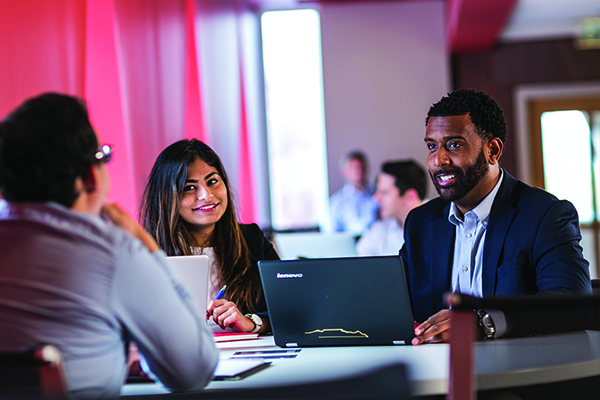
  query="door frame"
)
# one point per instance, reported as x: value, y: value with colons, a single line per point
x: 522, y: 96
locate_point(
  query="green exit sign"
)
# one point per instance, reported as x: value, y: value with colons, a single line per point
x: 590, y: 34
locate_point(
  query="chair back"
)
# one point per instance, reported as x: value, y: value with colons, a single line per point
x: 386, y: 382
x: 537, y: 315
x: 37, y: 373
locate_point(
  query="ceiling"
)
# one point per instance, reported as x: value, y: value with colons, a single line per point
x: 476, y: 25
x: 543, y: 19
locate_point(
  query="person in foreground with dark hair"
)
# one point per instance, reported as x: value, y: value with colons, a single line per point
x: 83, y: 283
x: 188, y: 208
x: 401, y: 186
x: 487, y: 234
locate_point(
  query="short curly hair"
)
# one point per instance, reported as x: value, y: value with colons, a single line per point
x: 45, y: 145
x: 485, y: 113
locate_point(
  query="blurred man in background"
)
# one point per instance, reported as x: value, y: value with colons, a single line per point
x: 401, y: 186
x: 352, y: 207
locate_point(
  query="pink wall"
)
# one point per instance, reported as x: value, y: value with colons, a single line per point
x: 384, y: 64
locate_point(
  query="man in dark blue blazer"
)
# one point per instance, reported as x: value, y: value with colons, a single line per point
x: 487, y: 234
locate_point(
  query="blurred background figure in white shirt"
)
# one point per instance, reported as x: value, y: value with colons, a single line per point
x: 353, y: 207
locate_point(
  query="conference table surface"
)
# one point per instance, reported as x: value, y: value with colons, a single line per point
x: 500, y: 363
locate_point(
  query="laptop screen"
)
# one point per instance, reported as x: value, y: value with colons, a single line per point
x: 338, y: 301
x: 315, y: 245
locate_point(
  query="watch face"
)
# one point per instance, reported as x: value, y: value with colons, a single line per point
x: 257, y: 320
x: 487, y: 322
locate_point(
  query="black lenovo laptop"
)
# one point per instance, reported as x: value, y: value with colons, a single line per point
x: 338, y: 301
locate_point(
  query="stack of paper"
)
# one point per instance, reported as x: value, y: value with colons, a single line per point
x: 231, y: 336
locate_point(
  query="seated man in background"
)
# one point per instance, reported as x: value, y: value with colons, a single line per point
x: 77, y: 281
x: 401, y: 186
x: 352, y: 207
x: 487, y: 234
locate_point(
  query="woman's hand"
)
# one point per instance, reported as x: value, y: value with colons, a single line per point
x: 226, y: 315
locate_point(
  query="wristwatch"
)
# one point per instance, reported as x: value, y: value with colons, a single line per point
x: 486, y: 324
x: 258, y: 322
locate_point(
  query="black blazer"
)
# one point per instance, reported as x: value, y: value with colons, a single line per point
x: 260, y: 249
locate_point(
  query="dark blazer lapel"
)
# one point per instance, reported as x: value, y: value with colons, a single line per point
x: 501, y: 216
x: 442, y: 255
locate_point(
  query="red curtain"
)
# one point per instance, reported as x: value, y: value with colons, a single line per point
x: 150, y: 37
x: 194, y: 119
x: 103, y: 91
x: 246, y: 177
x: 137, y: 63
x: 42, y: 48
x: 246, y: 185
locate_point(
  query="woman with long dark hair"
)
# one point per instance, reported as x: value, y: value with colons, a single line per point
x: 188, y: 208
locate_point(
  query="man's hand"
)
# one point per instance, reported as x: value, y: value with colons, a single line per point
x: 133, y: 362
x: 435, y: 330
x: 120, y: 218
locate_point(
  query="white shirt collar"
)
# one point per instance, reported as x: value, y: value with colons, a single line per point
x: 350, y: 190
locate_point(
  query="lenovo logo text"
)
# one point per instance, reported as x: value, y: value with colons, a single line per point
x: 288, y: 276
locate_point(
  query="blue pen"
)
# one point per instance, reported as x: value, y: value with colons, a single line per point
x: 217, y: 297
x: 221, y: 292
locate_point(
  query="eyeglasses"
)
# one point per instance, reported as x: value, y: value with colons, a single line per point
x: 104, y: 154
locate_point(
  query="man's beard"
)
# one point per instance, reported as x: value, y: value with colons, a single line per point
x: 465, y: 180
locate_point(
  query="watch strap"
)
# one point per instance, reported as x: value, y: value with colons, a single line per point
x: 486, y: 324
x: 256, y: 326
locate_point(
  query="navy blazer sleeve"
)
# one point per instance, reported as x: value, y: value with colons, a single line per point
x: 532, y: 245
x: 544, y: 259
x: 561, y: 266
x: 427, y: 256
